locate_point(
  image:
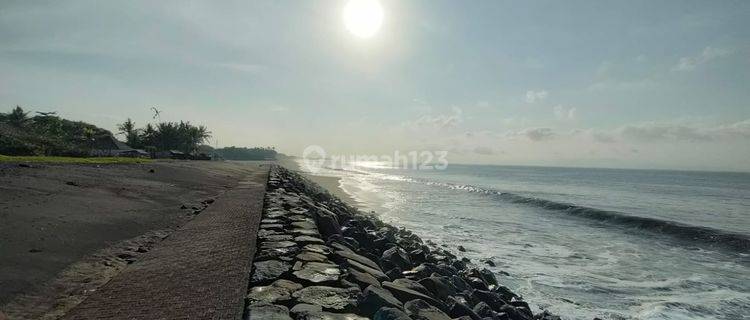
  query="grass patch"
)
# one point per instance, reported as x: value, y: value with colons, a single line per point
x: 75, y: 160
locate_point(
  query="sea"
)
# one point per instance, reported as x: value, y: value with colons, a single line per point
x: 580, y: 242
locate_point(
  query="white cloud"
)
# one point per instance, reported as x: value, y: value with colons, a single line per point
x: 665, y: 131
x: 441, y: 121
x: 708, y: 54
x: 536, y: 96
x: 484, y: 150
x: 538, y: 134
x: 563, y: 113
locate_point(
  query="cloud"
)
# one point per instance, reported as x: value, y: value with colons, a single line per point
x: 661, y: 131
x: 536, y: 96
x: 708, y: 54
x: 484, y: 151
x: 538, y: 134
x: 563, y: 113
x: 441, y: 121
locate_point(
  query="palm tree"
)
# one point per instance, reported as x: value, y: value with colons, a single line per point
x: 132, y: 136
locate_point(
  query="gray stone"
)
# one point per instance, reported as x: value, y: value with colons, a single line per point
x: 290, y: 286
x: 312, y: 257
x: 304, y: 225
x: 396, y: 257
x: 318, y: 272
x: 353, y: 256
x: 420, y: 310
x: 404, y: 294
x: 440, y: 287
x: 363, y: 279
x: 377, y: 273
x: 411, y: 284
x: 328, y: 297
x: 386, y: 313
x: 276, y: 254
x: 308, y: 239
x: 375, y: 297
x: 277, y: 244
x: 267, y: 312
x: 300, y: 309
x: 319, y: 248
x: 272, y: 226
x: 306, y: 232
x: 268, y: 295
x: 277, y: 237
x: 268, y: 270
x: 330, y: 316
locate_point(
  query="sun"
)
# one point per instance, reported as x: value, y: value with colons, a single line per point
x: 363, y: 18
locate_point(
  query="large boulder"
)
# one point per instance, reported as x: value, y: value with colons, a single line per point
x: 395, y: 257
x: 267, y: 312
x: 329, y: 298
x: 440, y: 287
x: 421, y: 310
x: 375, y: 297
x: 269, y: 270
x: 386, y: 313
x: 405, y: 294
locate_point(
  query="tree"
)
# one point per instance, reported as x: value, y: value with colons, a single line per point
x: 132, y: 135
x: 17, y: 118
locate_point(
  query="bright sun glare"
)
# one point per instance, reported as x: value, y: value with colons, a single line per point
x: 363, y: 18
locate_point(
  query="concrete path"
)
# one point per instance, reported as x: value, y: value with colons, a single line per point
x: 199, y: 272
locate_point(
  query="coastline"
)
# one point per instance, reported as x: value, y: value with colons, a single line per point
x: 318, y: 258
x: 332, y: 184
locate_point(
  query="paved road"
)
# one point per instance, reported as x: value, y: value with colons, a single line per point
x: 199, y: 272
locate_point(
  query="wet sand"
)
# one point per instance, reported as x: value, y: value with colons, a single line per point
x: 332, y: 184
x: 67, y: 229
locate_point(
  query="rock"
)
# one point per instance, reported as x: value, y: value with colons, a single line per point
x: 303, y: 225
x: 265, y: 271
x: 318, y: 272
x: 308, y: 239
x: 298, y: 310
x: 395, y: 273
x: 420, y: 310
x: 375, y: 297
x: 276, y: 254
x: 396, y: 257
x: 494, y: 300
x: 305, y: 232
x: 361, y: 259
x: 411, y: 284
x: 362, y: 279
x: 377, y: 273
x: 404, y: 294
x: 270, y: 226
x: 267, y: 312
x: 72, y: 183
x: 489, y: 262
x: 461, y: 248
x: 386, y: 313
x: 483, y: 310
x: 312, y: 257
x: 328, y: 297
x: 327, y: 222
x: 277, y: 244
x: 276, y: 237
x: 268, y: 295
x: 459, y: 309
x: 318, y: 248
x: 439, y: 287
x: 151, y: 171
x: 322, y: 315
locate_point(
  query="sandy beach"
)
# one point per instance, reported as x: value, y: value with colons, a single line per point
x: 332, y: 184
x: 67, y: 229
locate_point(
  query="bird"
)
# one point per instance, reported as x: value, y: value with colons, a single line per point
x: 156, y: 112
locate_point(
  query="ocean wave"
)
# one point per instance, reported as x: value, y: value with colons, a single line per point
x: 733, y: 241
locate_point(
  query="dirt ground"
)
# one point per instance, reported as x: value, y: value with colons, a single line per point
x: 67, y: 229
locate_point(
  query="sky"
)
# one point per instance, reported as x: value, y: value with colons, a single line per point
x: 626, y: 84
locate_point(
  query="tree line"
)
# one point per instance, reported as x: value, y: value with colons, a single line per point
x: 181, y: 136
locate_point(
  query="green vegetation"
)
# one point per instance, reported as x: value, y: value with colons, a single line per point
x: 181, y: 136
x: 47, y: 134
x: 239, y: 153
x: 79, y: 160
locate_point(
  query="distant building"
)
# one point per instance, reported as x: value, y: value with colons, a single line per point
x: 109, y: 146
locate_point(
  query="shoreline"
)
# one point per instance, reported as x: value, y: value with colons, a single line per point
x: 332, y: 184
x: 319, y: 258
